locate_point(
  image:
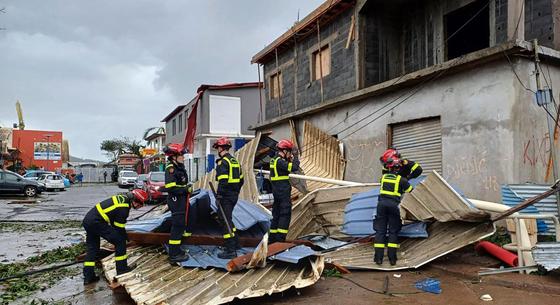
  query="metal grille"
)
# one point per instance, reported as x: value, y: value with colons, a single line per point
x: 420, y: 141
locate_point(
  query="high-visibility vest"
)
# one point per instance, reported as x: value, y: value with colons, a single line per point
x: 118, y: 202
x: 235, y: 175
x: 274, y: 176
x: 390, y: 185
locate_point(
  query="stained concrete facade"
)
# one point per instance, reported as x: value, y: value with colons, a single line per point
x: 492, y: 132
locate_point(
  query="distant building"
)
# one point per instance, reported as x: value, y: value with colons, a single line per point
x: 39, y: 148
x: 127, y: 161
x: 154, y: 160
x: 221, y: 110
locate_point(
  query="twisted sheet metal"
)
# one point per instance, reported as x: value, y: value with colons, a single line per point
x: 155, y: 281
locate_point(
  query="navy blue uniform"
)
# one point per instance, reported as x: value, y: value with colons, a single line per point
x: 280, y: 168
x: 176, y: 186
x: 107, y: 219
x: 387, y: 217
x: 230, y: 180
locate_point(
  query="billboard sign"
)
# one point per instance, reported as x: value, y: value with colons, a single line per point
x: 42, y: 149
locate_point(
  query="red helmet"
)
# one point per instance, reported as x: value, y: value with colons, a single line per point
x: 174, y: 149
x: 393, y: 164
x: 388, y: 156
x: 285, y: 145
x: 139, y: 195
x: 222, y: 142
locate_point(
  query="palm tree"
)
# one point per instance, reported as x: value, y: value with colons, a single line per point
x: 150, y: 130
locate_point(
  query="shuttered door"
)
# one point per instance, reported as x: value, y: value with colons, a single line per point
x: 420, y: 141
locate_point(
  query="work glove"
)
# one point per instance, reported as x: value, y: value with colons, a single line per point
x: 189, y: 188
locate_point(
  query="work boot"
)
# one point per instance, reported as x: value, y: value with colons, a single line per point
x: 125, y: 270
x: 392, y: 255
x: 272, y: 238
x: 378, y: 256
x: 91, y: 280
x: 181, y: 257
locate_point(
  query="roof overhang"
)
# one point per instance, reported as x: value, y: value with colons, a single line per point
x: 469, y: 61
x: 324, y: 14
x: 173, y: 113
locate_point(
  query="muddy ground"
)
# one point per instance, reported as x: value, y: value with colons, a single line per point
x: 29, y: 230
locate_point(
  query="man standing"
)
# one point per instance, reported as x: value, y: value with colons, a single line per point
x: 281, y: 166
x: 176, y: 185
x: 108, y: 220
x: 105, y: 176
x: 387, y: 216
x: 230, y: 180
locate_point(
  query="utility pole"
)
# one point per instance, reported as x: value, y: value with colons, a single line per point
x: 48, y: 136
x: 549, y: 107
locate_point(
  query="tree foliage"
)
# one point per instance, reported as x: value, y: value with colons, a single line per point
x: 116, y: 146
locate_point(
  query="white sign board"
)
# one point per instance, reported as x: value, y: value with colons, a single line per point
x: 225, y: 115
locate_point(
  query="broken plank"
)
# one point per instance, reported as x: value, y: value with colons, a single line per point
x: 239, y: 262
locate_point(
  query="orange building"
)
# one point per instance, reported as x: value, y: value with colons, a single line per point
x: 39, y: 148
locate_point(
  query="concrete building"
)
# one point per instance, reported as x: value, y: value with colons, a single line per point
x: 39, y: 148
x: 216, y: 111
x: 449, y: 83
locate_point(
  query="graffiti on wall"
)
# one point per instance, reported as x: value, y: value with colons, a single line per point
x: 362, y: 161
x: 475, y: 169
x: 536, y: 150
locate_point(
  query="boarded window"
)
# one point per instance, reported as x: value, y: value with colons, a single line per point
x: 276, y: 85
x: 420, y: 141
x: 321, y: 62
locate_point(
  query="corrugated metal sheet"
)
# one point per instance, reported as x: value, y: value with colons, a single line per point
x: 445, y: 237
x: 435, y: 199
x: 547, y: 255
x: 359, y: 214
x: 513, y: 194
x: 246, y: 157
x: 320, y: 157
x: 420, y: 141
x: 294, y: 255
x: 322, y: 211
x: 155, y: 281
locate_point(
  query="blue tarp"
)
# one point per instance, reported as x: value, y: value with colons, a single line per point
x: 246, y: 217
x: 360, y: 211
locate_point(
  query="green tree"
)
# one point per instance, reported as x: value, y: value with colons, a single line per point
x: 113, y: 148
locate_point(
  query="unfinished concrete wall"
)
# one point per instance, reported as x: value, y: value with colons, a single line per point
x: 500, y: 21
x: 298, y: 88
x: 531, y: 142
x: 539, y: 21
x: 486, y: 119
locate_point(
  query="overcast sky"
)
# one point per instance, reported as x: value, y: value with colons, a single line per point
x: 99, y: 69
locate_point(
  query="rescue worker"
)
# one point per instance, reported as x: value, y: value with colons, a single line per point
x: 387, y: 216
x: 409, y: 169
x: 230, y: 180
x: 108, y: 220
x: 281, y: 166
x: 177, y: 187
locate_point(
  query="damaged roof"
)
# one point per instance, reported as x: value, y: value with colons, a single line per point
x: 155, y: 281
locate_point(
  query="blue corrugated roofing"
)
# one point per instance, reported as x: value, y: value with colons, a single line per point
x: 359, y: 214
x: 246, y: 217
x: 294, y: 255
x: 513, y: 195
x: 207, y: 256
x: 547, y: 255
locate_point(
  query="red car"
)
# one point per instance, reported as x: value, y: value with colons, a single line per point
x: 155, y: 182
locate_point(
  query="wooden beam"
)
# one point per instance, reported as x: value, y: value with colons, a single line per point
x: 239, y: 263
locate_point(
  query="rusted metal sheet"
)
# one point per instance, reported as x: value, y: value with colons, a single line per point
x: 435, y: 199
x: 320, y: 157
x: 155, y: 281
x: 246, y: 157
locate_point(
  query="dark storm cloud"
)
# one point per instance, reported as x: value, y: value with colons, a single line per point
x: 97, y: 69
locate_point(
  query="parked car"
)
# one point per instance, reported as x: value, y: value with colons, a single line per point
x: 154, y: 185
x: 12, y: 183
x: 127, y: 179
x: 139, y: 184
x: 33, y: 174
x: 52, y: 182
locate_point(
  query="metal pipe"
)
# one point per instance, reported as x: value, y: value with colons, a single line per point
x: 321, y: 179
x: 520, y: 260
